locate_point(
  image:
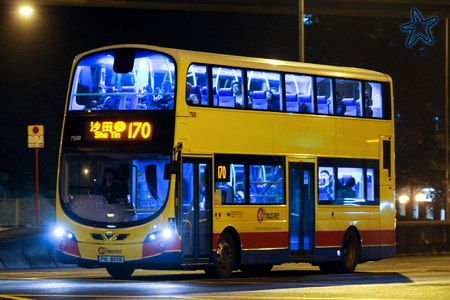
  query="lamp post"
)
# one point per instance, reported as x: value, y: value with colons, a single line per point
x: 403, y: 199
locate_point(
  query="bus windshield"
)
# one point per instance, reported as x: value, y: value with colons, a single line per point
x: 123, y: 79
x: 113, y: 188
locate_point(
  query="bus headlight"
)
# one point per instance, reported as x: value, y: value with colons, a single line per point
x: 165, y: 234
x: 64, y: 234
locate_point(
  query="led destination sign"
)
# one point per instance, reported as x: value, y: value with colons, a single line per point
x: 119, y: 130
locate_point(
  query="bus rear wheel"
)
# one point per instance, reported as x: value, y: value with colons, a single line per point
x: 350, y: 253
x: 226, y: 256
x: 119, y: 272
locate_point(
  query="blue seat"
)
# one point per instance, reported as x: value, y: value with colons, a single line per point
x: 259, y: 100
x: 225, y: 98
x: 322, y: 106
x: 205, y: 96
x: 292, y: 103
x: 306, y: 100
x: 350, y: 105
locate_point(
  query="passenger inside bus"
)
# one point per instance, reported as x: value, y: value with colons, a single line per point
x: 145, y: 101
x: 273, y: 102
x: 347, y: 191
x: 165, y: 100
x: 111, y: 189
x: 98, y: 101
x: 326, y: 186
x: 340, y: 105
x: 191, y: 96
x: 237, y: 94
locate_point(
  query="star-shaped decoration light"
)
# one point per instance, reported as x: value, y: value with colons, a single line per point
x: 419, y: 28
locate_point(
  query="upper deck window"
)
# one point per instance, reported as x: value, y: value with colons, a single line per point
x: 197, y: 85
x: 348, y: 97
x: 123, y: 79
x: 299, y: 93
x: 373, y: 100
x: 229, y: 85
x: 325, y: 96
x: 294, y: 93
x: 264, y: 90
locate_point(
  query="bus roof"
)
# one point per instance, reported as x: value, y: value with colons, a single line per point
x: 254, y: 62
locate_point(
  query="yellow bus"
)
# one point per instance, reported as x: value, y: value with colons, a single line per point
x: 174, y: 159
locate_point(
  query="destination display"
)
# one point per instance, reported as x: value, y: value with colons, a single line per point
x: 119, y: 130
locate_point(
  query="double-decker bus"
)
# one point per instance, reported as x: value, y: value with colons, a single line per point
x: 174, y: 159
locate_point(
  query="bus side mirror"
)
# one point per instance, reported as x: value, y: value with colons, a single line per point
x: 175, y: 165
x: 167, y: 171
x: 172, y: 168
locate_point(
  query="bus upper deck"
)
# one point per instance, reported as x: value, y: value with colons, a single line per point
x: 148, y: 83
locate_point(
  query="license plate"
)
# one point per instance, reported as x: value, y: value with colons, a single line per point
x: 111, y: 259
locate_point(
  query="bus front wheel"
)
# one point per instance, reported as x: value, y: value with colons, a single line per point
x: 226, y: 256
x: 119, y: 272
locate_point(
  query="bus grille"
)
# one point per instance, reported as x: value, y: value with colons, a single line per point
x: 109, y: 236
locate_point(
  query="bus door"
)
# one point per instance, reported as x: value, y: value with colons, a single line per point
x: 196, y: 210
x: 301, y: 209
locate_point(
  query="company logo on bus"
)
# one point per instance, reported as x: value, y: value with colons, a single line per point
x: 264, y: 215
x: 103, y: 250
x: 120, y: 130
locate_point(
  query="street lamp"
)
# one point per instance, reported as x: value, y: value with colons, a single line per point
x: 420, y: 197
x: 26, y: 10
x: 403, y: 199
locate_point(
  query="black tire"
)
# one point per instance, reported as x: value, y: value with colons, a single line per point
x: 211, y: 272
x: 351, y: 251
x: 256, y: 270
x: 226, y: 256
x: 120, y: 272
x: 350, y: 254
x: 328, y: 267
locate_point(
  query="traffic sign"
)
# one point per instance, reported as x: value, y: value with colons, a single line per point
x: 35, y: 136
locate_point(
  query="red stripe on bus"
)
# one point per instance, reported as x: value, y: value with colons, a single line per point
x: 258, y: 240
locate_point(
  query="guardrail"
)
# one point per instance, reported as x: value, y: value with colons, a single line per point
x: 423, y: 237
x: 19, y: 212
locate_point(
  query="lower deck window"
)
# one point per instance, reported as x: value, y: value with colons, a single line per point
x: 260, y: 180
x: 348, y: 182
x: 113, y: 188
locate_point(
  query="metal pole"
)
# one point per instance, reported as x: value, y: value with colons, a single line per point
x: 447, y: 210
x: 17, y: 212
x: 37, y: 187
x: 301, y: 31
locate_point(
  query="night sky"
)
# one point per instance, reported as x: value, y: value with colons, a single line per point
x: 36, y: 58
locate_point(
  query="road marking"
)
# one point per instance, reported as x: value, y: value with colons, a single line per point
x: 13, y: 297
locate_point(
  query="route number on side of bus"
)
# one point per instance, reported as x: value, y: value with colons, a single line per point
x: 222, y: 174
